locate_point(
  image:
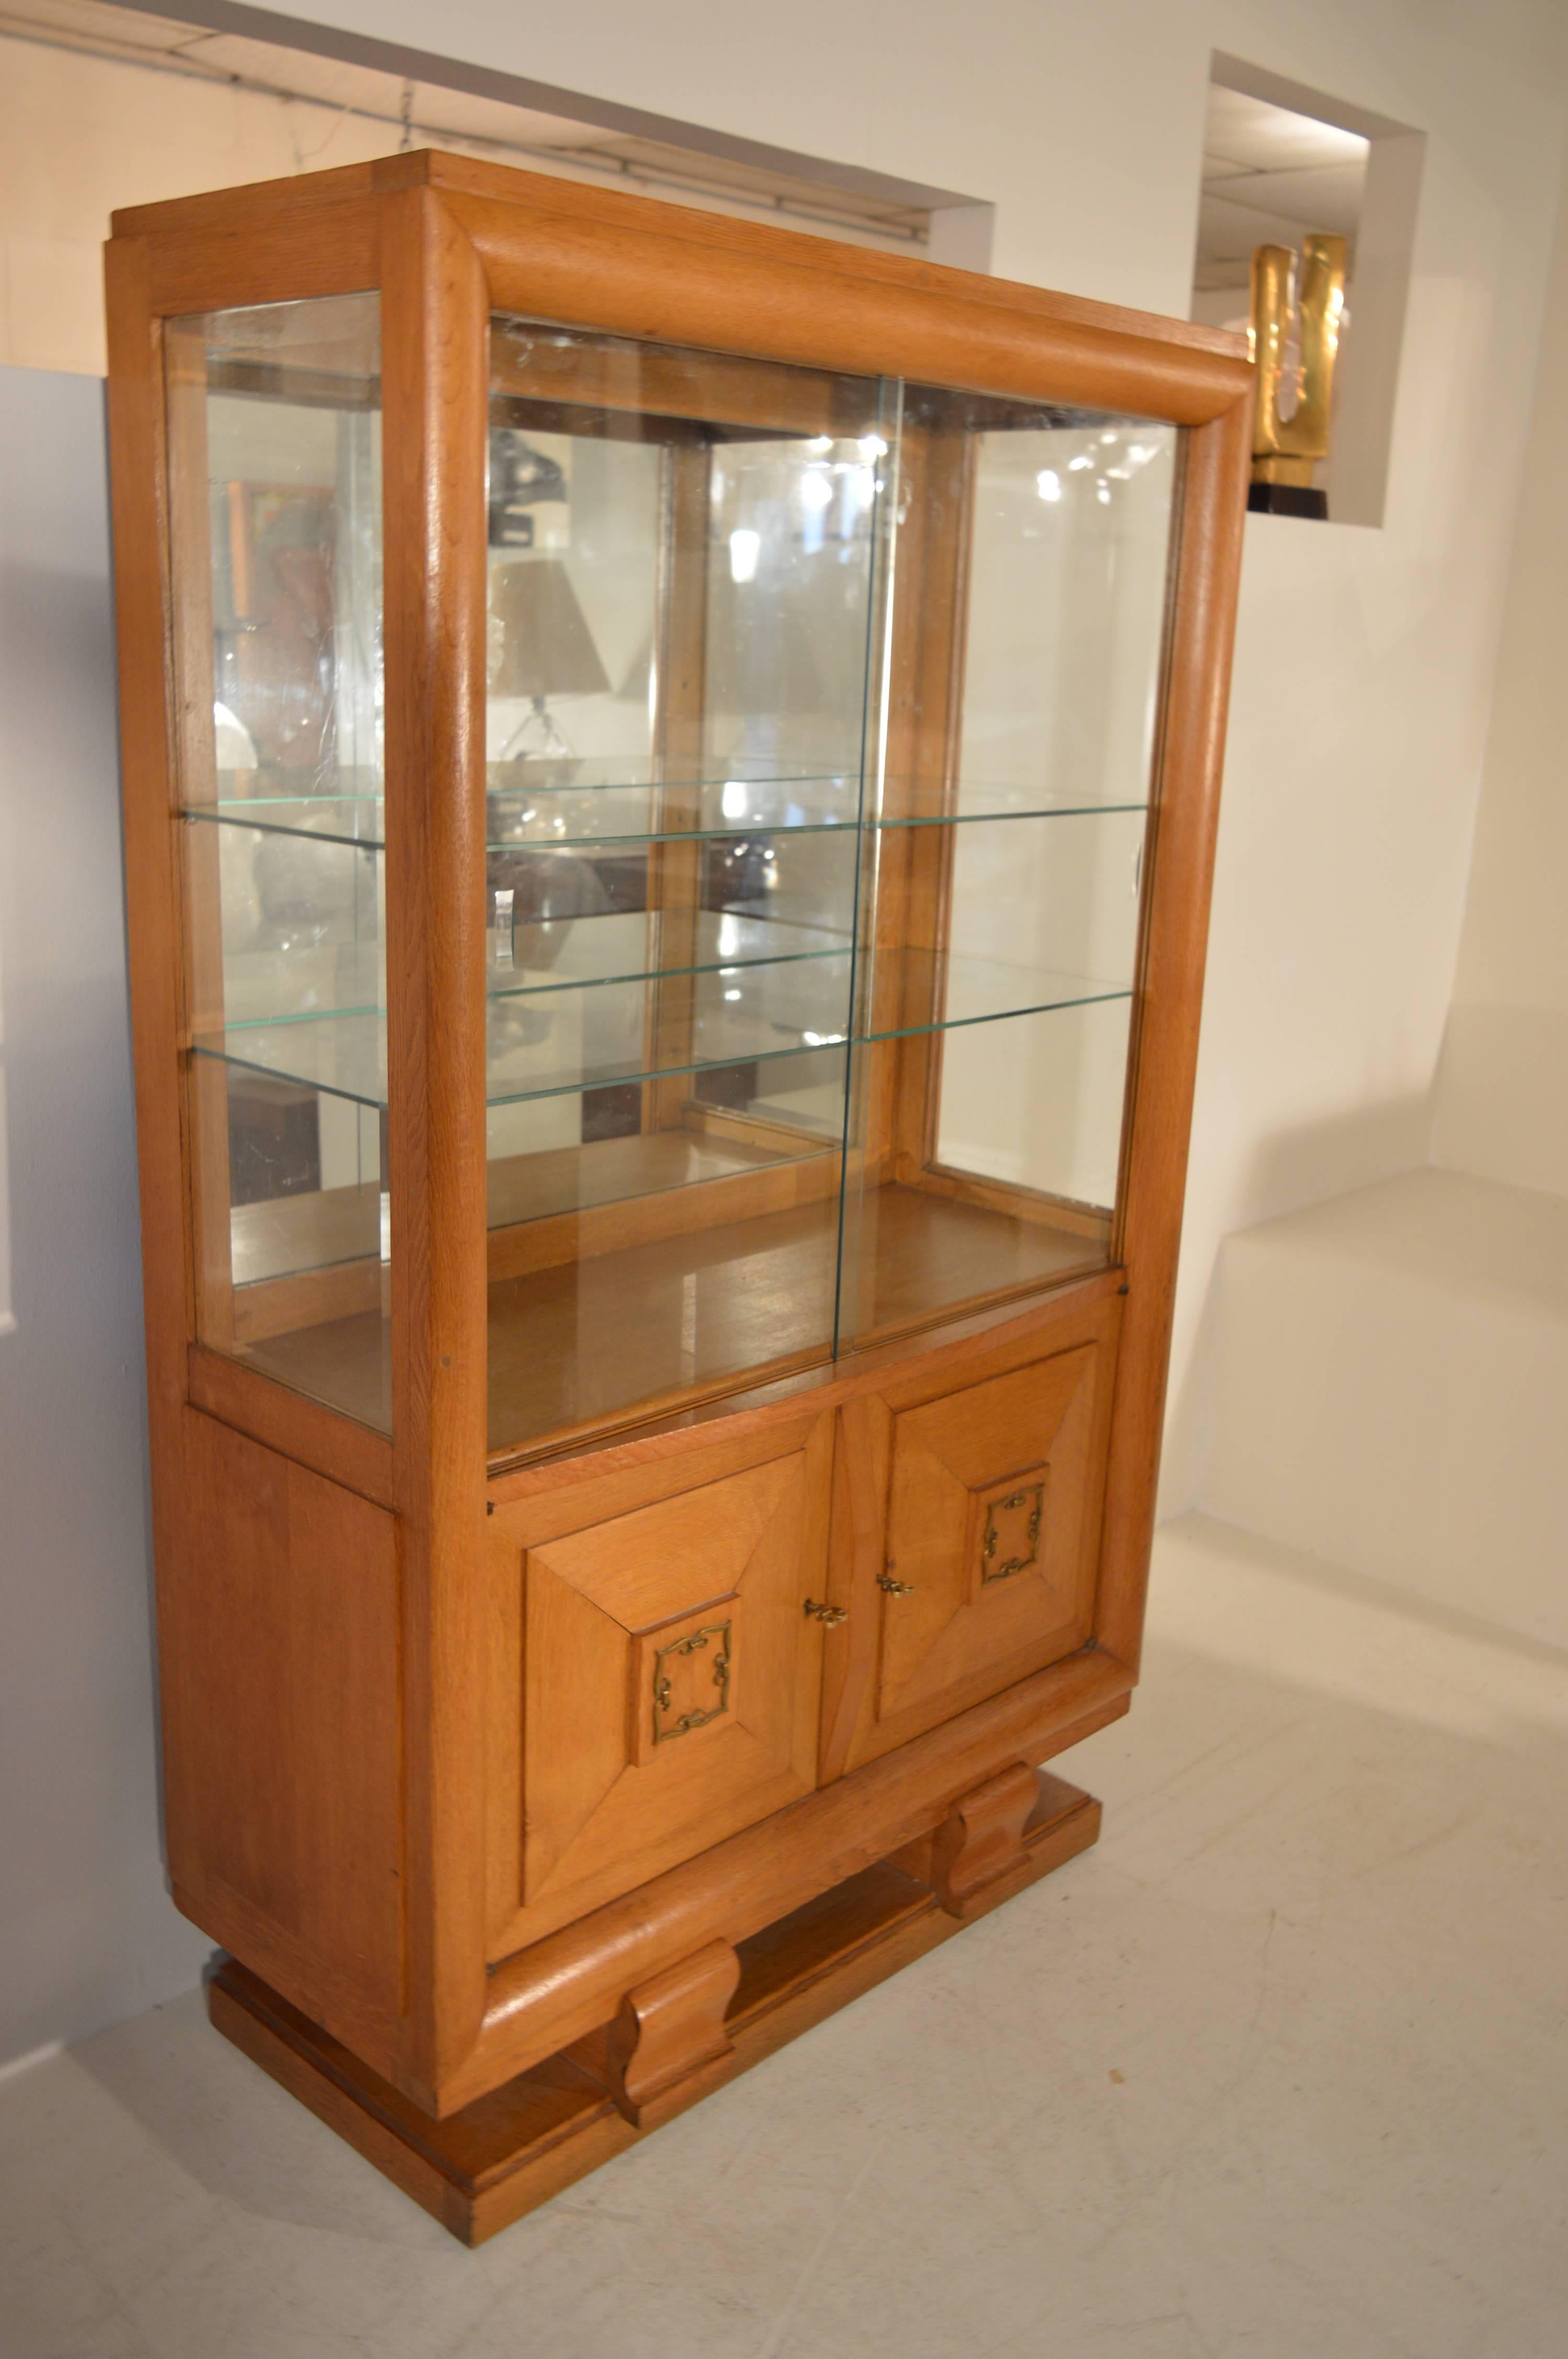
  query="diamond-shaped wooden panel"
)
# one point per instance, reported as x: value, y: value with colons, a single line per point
x: 987, y: 1508
x: 671, y: 1686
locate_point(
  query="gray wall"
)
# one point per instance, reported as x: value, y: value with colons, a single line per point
x: 87, y: 1931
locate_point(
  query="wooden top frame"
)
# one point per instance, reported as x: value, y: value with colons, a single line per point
x: 448, y: 241
x: 592, y: 257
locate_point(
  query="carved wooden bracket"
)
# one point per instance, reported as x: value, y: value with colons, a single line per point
x: 983, y: 1838
x: 667, y: 2030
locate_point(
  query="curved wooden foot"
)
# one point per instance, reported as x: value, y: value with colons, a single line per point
x: 992, y: 1839
x: 982, y: 1837
x: 669, y: 2029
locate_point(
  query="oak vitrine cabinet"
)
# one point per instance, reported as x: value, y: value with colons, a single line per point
x: 670, y: 780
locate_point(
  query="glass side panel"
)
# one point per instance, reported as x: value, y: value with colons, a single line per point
x: 687, y: 563
x: 1069, y: 534
x: 998, y: 965
x: 274, y: 486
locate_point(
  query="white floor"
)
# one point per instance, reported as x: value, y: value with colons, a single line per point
x: 1281, y: 2069
x: 1390, y: 1387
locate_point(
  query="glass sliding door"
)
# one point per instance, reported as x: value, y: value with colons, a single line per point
x: 686, y: 559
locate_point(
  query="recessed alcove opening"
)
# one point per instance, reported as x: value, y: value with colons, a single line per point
x: 1279, y: 161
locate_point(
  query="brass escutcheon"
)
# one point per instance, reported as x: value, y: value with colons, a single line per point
x: 1032, y: 1497
x: 695, y: 1643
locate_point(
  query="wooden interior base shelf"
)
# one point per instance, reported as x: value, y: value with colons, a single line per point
x: 574, y: 1344
x: 479, y: 2169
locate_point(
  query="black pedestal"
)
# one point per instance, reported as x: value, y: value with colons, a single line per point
x: 1287, y: 499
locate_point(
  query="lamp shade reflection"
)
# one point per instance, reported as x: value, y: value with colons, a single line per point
x: 540, y: 642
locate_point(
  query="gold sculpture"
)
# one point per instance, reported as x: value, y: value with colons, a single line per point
x: 1285, y: 451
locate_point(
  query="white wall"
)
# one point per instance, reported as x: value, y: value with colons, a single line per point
x: 87, y: 1931
x: 1503, y: 1100
x: 1358, y: 721
x: 80, y: 135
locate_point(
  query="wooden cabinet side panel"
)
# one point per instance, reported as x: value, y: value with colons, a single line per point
x: 279, y: 1646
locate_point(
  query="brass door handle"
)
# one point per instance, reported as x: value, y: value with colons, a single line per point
x: 829, y: 1616
x: 895, y: 1588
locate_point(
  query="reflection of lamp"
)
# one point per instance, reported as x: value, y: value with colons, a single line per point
x: 542, y: 647
x: 521, y: 478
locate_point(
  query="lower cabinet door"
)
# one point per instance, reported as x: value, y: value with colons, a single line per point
x: 671, y: 1683
x: 965, y: 1542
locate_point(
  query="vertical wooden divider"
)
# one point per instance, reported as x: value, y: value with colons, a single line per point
x: 913, y: 863
x: 435, y: 372
x: 940, y: 653
x: 883, y: 892
x: 675, y: 870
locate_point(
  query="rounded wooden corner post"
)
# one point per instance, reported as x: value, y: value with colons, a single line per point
x: 434, y: 373
x: 143, y: 631
x: 1187, y: 816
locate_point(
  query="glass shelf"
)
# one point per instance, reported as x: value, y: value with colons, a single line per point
x: 587, y: 816
x: 354, y: 820
x: 551, y: 812
x: 561, y: 955
x: 975, y: 799
x: 303, y: 985
x: 968, y: 991
x: 595, y: 951
x: 345, y: 1055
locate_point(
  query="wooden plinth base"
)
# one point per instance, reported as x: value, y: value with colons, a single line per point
x: 481, y: 2168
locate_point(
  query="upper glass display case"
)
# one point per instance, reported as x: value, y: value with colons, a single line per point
x: 819, y: 720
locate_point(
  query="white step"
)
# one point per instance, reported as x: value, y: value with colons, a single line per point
x: 1392, y: 1392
